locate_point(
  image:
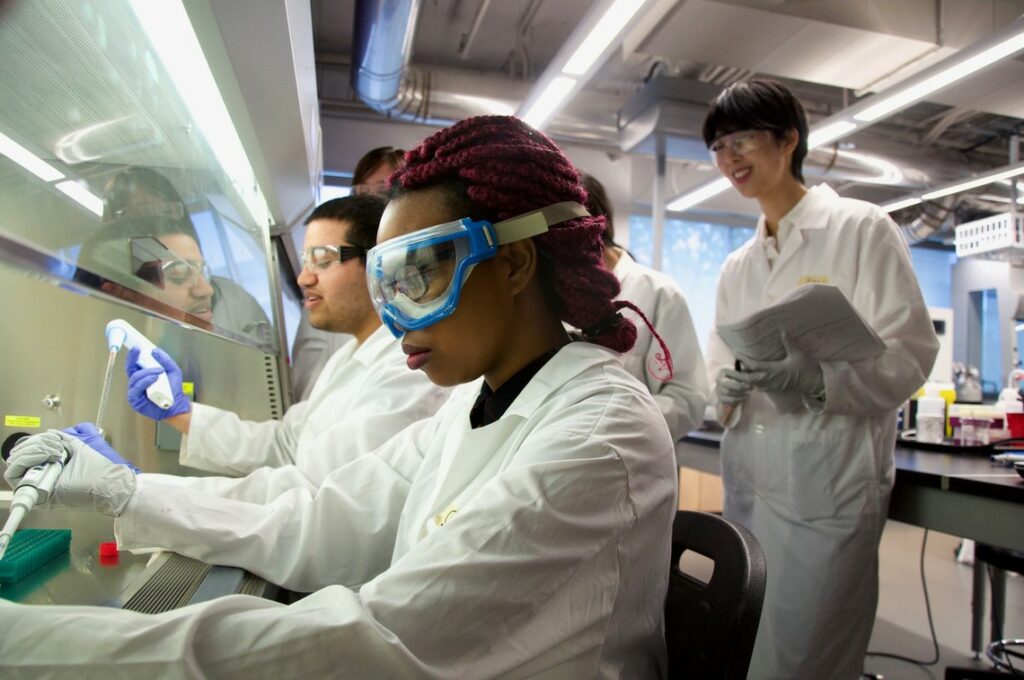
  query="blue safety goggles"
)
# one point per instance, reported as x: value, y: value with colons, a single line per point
x: 416, y: 280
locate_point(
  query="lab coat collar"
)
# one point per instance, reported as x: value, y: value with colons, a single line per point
x: 374, y: 346
x: 805, y: 215
x: 569, y: 362
x: 624, y: 265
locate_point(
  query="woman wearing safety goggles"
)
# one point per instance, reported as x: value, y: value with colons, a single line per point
x: 523, y: 531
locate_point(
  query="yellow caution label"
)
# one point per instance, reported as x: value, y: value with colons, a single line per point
x: 188, y: 388
x: 22, y: 421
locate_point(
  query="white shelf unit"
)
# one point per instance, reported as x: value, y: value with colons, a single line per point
x: 998, y: 236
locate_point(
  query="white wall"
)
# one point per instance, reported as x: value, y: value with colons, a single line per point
x: 975, y: 274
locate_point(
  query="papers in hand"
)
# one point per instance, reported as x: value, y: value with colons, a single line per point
x: 817, y: 318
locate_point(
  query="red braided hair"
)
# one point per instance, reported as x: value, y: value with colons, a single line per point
x: 506, y: 168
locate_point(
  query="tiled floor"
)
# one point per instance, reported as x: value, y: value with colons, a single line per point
x: 901, y: 625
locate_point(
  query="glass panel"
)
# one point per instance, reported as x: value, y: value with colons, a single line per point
x: 693, y: 254
x: 118, y: 156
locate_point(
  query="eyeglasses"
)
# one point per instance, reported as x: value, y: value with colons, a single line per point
x: 379, y: 188
x: 185, y: 273
x: 319, y: 258
x: 739, y: 143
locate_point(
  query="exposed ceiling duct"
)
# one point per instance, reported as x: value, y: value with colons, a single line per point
x: 931, y: 217
x: 381, y: 47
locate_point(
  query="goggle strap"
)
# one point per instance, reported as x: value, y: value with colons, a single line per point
x: 537, y: 222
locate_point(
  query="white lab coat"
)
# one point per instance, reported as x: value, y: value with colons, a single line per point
x: 814, y: 487
x: 362, y: 398
x: 534, y: 547
x: 311, y: 350
x: 683, y: 397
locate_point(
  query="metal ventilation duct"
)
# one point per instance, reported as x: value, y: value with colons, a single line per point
x: 381, y: 48
x: 932, y: 216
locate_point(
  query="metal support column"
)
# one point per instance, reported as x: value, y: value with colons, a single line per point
x: 658, y: 204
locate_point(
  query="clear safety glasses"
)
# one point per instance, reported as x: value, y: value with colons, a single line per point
x: 416, y: 280
x: 738, y: 144
x: 318, y: 258
x: 185, y: 273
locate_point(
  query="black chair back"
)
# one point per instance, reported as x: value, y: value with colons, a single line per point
x: 710, y: 628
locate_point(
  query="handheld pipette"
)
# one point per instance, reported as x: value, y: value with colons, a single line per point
x: 35, y: 487
x: 120, y: 333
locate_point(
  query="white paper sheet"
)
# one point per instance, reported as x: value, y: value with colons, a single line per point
x: 817, y: 318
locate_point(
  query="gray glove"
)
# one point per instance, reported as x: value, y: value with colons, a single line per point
x: 89, y: 479
x: 732, y: 387
x: 796, y: 372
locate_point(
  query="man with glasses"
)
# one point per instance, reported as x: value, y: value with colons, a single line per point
x: 363, y: 396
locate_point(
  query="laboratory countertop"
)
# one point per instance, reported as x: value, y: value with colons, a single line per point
x: 150, y: 583
x: 959, y: 470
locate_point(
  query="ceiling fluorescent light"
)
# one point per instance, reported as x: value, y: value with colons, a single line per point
x: 170, y: 33
x: 613, y: 21
x: 899, y: 205
x: 943, y: 78
x: 82, y: 196
x: 26, y: 159
x: 552, y: 96
x: 698, y: 195
x: 828, y: 133
x: 974, y: 183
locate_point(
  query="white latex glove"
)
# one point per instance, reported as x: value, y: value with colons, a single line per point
x: 732, y: 387
x: 796, y: 372
x: 46, y: 447
x: 89, y: 480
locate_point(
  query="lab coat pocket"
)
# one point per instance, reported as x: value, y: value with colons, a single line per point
x: 828, y: 475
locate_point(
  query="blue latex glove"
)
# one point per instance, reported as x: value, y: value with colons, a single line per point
x: 88, y: 433
x: 796, y: 372
x: 140, y: 378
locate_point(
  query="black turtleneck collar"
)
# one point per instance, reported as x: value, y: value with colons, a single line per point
x: 491, y: 405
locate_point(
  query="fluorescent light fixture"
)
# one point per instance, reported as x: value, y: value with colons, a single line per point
x: 170, y: 33
x: 698, y: 195
x: 973, y: 183
x: 609, y: 26
x: 1019, y: 327
x: 941, y: 79
x: 999, y: 199
x: 82, y: 196
x: 26, y: 159
x: 829, y: 133
x: 552, y: 96
x: 904, y: 203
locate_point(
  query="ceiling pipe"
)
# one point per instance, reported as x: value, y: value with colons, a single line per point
x: 381, y: 48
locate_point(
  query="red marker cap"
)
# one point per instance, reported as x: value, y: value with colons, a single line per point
x: 108, y: 549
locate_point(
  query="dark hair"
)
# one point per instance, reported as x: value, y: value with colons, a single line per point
x: 497, y: 167
x: 373, y: 158
x: 598, y: 204
x: 123, y: 189
x: 759, y: 105
x: 362, y: 213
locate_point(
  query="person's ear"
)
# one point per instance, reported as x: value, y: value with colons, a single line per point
x: 519, y: 263
x: 790, y: 140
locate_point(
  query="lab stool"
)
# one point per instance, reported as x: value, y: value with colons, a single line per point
x: 993, y: 562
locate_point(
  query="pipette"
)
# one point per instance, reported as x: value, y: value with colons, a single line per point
x: 35, y: 487
x: 105, y: 392
x: 120, y: 333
